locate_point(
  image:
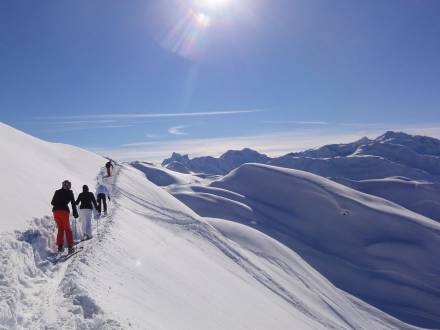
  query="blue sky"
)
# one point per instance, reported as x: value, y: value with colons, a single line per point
x: 143, y: 78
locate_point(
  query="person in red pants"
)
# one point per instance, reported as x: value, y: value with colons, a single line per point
x: 61, y: 212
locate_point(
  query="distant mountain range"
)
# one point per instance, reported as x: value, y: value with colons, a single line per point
x: 211, y: 165
x: 393, y: 154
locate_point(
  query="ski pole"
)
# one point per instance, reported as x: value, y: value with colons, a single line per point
x: 74, y: 226
x: 74, y: 231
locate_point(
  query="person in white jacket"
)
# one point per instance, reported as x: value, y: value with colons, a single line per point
x: 102, y: 193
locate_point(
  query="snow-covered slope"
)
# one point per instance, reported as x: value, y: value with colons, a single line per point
x: 32, y: 169
x: 421, y: 197
x: 371, y: 247
x: 402, y: 154
x: 354, y: 168
x: 423, y: 145
x: 161, y: 176
x: 180, y: 273
x: 155, y: 264
x: 333, y: 150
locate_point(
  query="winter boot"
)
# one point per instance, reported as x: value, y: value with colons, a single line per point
x: 71, y: 250
x: 60, y: 248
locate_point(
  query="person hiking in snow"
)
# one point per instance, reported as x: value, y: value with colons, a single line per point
x: 101, y: 194
x: 109, y: 166
x: 61, y: 198
x: 88, y: 201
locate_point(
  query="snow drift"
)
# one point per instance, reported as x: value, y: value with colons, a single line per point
x: 375, y: 249
x: 163, y: 176
x: 418, y: 196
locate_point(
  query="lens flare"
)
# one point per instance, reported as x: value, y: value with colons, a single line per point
x: 202, y: 20
x: 190, y: 28
x: 187, y: 36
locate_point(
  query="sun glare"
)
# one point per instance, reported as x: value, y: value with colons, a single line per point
x: 189, y: 33
x: 213, y: 4
x: 202, y: 20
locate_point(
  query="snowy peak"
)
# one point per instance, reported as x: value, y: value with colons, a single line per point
x: 235, y: 158
x: 364, y: 140
x: 211, y: 165
x: 176, y: 157
x: 424, y: 145
x: 333, y: 150
x: 245, y: 153
x: 418, y: 152
x: 391, y: 135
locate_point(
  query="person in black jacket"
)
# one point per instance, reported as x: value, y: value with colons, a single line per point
x: 61, y: 198
x: 88, y: 201
x: 109, y: 167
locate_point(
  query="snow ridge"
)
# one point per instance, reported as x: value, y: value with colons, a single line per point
x: 356, y: 240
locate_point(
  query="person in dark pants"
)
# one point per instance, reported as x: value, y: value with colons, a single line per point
x: 109, y: 167
x: 88, y: 201
x: 102, y: 193
x: 61, y: 198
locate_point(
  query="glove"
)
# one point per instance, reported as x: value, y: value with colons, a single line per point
x: 75, y: 214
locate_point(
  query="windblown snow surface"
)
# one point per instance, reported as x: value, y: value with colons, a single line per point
x: 419, y: 196
x: 155, y: 264
x: 371, y: 247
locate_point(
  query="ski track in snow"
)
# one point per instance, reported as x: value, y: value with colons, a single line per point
x: 34, y: 293
x: 212, y: 236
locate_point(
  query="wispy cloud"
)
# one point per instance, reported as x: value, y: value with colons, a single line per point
x: 81, y: 122
x: 177, y: 130
x: 296, y: 122
x: 365, y: 125
x: 86, y: 127
x: 100, y: 121
x: 152, y: 136
x: 159, y: 115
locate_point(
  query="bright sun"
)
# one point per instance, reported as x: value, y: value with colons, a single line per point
x: 199, y: 20
x: 213, y: 4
